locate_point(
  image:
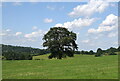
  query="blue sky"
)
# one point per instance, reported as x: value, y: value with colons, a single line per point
x: 95, y: 22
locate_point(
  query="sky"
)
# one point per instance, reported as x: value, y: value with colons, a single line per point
x: 94, y: 22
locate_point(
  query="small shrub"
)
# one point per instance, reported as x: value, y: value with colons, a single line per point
x: 112, y: 53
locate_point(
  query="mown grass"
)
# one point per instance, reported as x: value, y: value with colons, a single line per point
x: 79, y: 67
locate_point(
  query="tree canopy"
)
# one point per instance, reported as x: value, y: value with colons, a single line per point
x: 60, y: 42
x: 99, y: 52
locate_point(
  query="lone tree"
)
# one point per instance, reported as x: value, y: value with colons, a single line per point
x: 60, y: 42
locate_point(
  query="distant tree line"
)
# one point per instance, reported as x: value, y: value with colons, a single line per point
x: 30, y: 50
x: 10, y: 55
x: 100, y: 52
x: 10, y: 52
x: 25, y: 53
x: 91, y: 52
x: 110, y: 51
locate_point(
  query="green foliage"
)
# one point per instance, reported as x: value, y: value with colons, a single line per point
x: 111, y: 51
x: 22, y: 52
x: 119, y: 48
x: 60, y: 42
x: 32, y: 51
x: 91, y: 52
x: 10, y: 55
x: 99, y: 52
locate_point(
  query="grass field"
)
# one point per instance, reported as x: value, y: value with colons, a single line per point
x: 79, y: 67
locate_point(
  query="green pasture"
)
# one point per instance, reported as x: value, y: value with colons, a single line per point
x: 78, y: 67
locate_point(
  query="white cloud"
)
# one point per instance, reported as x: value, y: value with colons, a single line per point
x: 18, y: 33
x: 85, y: 41
x: 77, y: 23
x: 110, y: 20
x: 115, y: 43
x: 113, y: 34
x: 95, y: 38
x: 54, y: 7
x: 58, y: 25
x: 113, y: 5
x: 15, y: 38
x: 0, y: 4
x: 101, y: 29
x: 2, y: 34
x: 8, y: 30
x: 34, y: 27
x: 89, y: 9
x: 53, y: 0
x: 48, y: 20
x: 22, y: 1
x: 5, y: 32
x: 17, y: 3
x: 33, y: 0
x: 109, y: 24
x: 35, y: 34
x: 50, y: 7
x: 9, y: 33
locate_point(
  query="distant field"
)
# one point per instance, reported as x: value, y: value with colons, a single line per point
x: 79, y: 67
x: 41, y: 57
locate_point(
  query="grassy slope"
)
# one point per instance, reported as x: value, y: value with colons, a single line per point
x: 81, y: 67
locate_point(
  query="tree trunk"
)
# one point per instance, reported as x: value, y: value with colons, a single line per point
x: 59, y: 56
